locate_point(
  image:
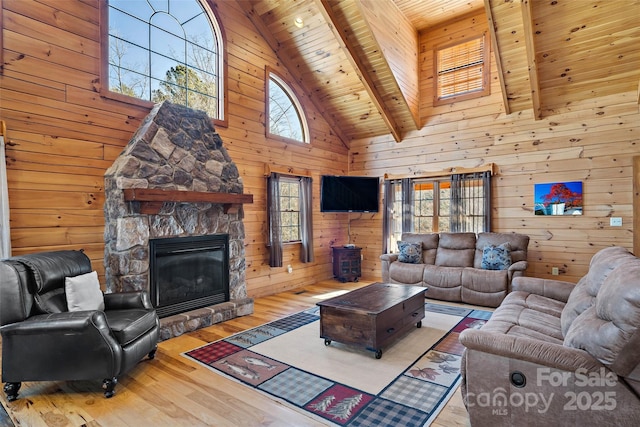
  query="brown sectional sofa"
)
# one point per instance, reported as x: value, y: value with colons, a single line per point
x: 451, y: 266
x: 558, y: 353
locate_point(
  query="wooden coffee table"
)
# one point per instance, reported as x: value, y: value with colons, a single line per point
x: 372, y: 316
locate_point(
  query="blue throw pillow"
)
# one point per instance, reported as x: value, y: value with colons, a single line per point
x: 496, y: 257
x: 410, y: 253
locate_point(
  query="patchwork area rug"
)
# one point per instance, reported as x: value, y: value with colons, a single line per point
x: 343, y: 385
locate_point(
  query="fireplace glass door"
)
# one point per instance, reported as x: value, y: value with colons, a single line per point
x: 188, y: 272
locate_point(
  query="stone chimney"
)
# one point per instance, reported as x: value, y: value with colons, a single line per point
x: 178, y: 150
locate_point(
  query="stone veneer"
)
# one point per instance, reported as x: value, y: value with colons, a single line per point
x: 175, y: 148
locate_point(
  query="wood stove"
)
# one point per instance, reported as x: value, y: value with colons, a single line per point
x: 186, y: 273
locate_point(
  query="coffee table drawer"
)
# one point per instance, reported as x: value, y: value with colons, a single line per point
x: 347, y: 328
x: 414, y: 311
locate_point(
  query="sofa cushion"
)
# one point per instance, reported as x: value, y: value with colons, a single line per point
x: 525, y: 323
x: 429, y: 243
x: 520, y: 315
x: 83, y: 292
x: 408, y: 274
x: 536, y: 302
x: 410, y: 252
x: 609, y: 330
x: 484, y: 287
x: 446, y: 277
x: 444, y: 283
x: 584, y: 294
x: 128, y: 325
x: 496, y: 257
x: 456, y: 250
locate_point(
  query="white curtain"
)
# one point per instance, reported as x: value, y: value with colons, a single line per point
x: 5, y: 235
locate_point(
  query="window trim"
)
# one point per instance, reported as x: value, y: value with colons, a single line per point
x: 102, y: 86
x: 293, y: 95
x: 486, y: 72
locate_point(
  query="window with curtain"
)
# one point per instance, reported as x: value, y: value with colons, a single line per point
x: 289, y: 204
x: 462, y: 71
x: 423, y: 205
x: 166, y: 50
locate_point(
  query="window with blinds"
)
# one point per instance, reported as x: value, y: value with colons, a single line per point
x: 462, y: 71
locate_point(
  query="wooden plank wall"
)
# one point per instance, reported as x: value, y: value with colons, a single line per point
x: 62, y: 136
x: 592, y: 141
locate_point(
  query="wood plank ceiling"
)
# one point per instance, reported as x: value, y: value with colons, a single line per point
x: 357, y: 60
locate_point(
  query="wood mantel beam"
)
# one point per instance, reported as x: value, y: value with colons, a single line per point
x: 152, y: 199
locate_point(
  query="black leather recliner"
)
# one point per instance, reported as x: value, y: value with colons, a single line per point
x: 43, y: 341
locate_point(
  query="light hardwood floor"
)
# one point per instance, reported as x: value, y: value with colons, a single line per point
x: 173, y: 391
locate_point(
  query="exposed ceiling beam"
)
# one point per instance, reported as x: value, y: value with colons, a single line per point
x: 399, y: 47
x: 532, y: 65
x: 250, y: 13
x: 496, y: 54
x: 360, y: 69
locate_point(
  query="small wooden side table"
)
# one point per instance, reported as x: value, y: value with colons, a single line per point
x: 347, y: 263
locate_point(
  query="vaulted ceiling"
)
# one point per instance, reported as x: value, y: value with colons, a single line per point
x: 357, y: 60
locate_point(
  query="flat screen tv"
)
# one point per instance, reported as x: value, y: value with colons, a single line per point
x: 349, y: 193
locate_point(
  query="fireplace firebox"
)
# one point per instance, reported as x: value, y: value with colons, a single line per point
x: 189, y: 272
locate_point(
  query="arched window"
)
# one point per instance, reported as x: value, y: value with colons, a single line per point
x: 170, y: 49
x: 285, y: 116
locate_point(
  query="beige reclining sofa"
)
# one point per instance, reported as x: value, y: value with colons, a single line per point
x: 559, y: 354
x: 454, y: 267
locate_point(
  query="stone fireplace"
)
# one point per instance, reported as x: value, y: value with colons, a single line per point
x: 173, y: 180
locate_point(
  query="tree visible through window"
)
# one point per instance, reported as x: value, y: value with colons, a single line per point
x: 285, y: 116
x: 166, y: 50
x: 290, y: 209
x: 462, y: 71
x: 431, y: 206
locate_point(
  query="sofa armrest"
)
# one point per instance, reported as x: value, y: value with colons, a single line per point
x: 127, y: 300
x: 519, y: 266
x: 385, y: 261
x: 70, y: 322
x: 528, y: 349
x: 389, y: 257
x: 555, y: 289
